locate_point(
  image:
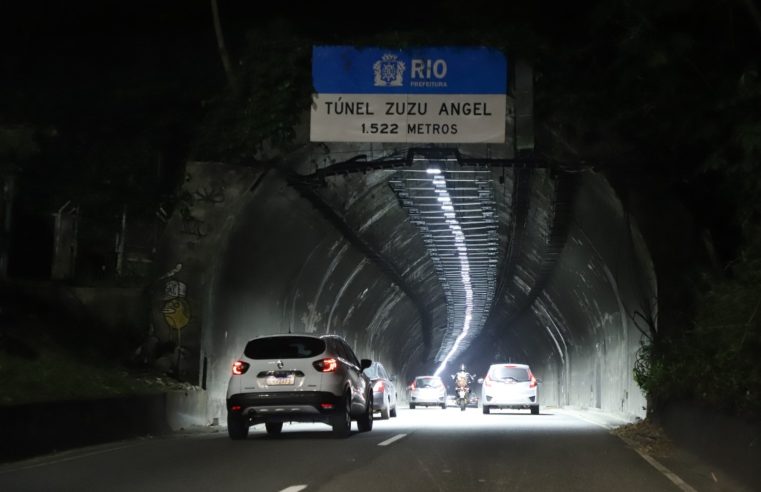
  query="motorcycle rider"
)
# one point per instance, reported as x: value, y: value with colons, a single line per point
x: 462, y: 379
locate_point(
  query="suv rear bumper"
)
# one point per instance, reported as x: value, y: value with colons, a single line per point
x: 292, y: 406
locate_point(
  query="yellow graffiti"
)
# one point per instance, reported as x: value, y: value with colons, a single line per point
x: 176, y: 313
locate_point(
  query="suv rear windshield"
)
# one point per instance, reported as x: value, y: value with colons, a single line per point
x: 517, y: 373
x: 284, y: 348
x: 428, y: 382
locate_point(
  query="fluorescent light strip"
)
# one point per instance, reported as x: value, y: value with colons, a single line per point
x: 459, y: 238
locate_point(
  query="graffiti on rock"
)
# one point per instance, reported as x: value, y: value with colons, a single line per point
x: 210, y: 195
x: 176, y: 309
x: 191, y: 225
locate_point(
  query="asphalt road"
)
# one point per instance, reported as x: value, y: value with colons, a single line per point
x: 427, y: 449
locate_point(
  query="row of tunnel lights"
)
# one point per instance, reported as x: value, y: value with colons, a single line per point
x: 445, y: 200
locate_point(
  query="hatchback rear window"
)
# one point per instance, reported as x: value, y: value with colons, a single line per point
x: 428, y: 383
x: 516, y: 373
x: 284, y: 348
x: 372, y: 372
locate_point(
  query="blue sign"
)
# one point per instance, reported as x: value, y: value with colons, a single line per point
x: 444, y: 70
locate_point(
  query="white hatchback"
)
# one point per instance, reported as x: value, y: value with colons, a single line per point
x: 428, y: 391
x: 510, y: 386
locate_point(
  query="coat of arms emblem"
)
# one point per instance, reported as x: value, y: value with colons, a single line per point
x: 389, y: 71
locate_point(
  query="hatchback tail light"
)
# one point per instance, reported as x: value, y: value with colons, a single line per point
x: 487, y: 381
x: 326, y: 365
x: 379, y: 387
x: 533, y: 380
x: 240, y: 367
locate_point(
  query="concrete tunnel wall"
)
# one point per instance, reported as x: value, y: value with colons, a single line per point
x: 579, y: 334
x: 271, y: 262
x: 588, y: 308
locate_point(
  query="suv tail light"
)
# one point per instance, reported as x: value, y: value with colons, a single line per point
x: 240, y: 367
x: 379, y: 387
x: 326, y: 365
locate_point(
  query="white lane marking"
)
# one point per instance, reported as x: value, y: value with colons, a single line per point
x: 70, y: 458
x: 392, y: 440
x: 669, y: 474
x: 294, y: 488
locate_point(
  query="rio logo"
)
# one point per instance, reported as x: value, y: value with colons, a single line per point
x: 428, y: 69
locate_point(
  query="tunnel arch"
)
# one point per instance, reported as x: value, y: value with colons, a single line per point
x: 573, y: 270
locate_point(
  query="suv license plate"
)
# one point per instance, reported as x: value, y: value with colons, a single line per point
x: 274, y: 381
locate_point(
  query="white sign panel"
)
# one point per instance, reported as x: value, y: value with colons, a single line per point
x: 428, y: 95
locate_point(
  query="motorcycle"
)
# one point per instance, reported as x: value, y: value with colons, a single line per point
x: 462, y: 389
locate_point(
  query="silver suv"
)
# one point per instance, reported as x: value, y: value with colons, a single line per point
x: 298, y: 378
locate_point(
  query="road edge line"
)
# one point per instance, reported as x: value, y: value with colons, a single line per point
x: 48, y: 460
x: 675, y: 479
x: 665, y: 471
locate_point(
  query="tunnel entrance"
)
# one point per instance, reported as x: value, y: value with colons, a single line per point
x: 565, y: 269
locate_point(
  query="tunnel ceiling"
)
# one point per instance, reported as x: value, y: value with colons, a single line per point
x: 471, y: 239
x: 453, y: 208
